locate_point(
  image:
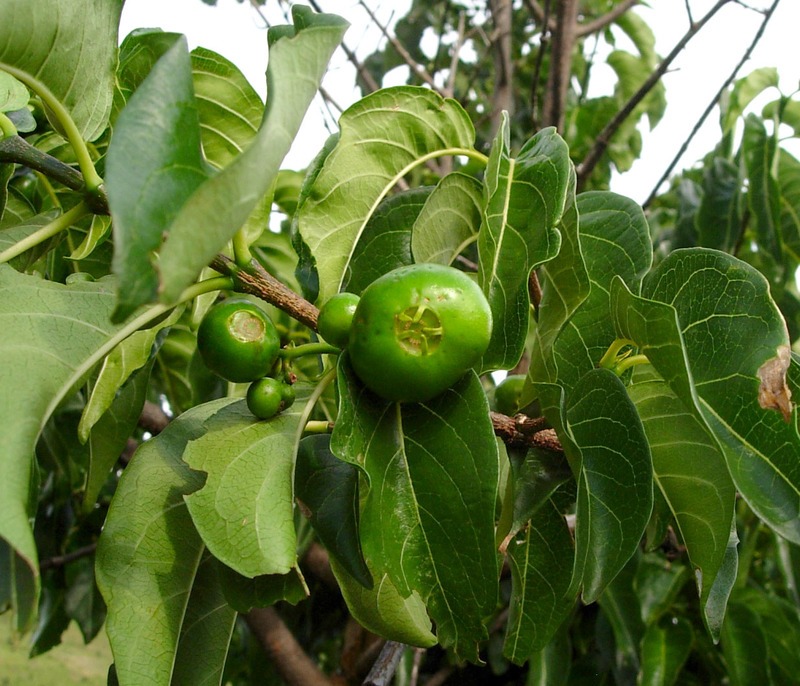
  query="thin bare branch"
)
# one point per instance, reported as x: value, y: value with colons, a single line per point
x: 291, y: 661
x: 503, y: 93
x: 544, y: 45
x: 450, y: 86
x: 585, y: 168
x: 609, y: 18
x: 713, y: 103
x: 417, y: 68
x: 62, y: 560
x: 560, y: 63
x: 385, y: 666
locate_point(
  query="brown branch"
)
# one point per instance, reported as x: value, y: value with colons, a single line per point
x: 713, y: 103
x: 153, y: 418
x: 291, y: 661
x: 560, y: 71
x: 255, y: 280
x: 609, y: 18
x: 503, y: 87
x: 385, y: 666
x: 586, y: 167
x: 316, y: 560
x: 62, y: 560
x: 17, y: 150
x: 525, y: 432
x: 544, y: 44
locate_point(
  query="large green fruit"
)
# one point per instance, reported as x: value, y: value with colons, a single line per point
x: 416, y: 330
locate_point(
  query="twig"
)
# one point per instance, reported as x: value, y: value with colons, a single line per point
x: 503, y: 93
x: 525, y: 432
x: 417, y: 68
x: 450, y: 86
x: 385, y: 666
x: 713, y: 103
x: 609, y: 18
x: 544, y: 44
x: 153, y: 418
x: 291, y: 661
x: 17, y: 150
x: 62, y: 560
x: 585, y: 168
x: 560, y: 63
x: 255, y: 280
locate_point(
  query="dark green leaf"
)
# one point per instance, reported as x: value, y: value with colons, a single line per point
x: 719, y: 217
x: 744, y: 90
x: 745, y: 647
x: 525, y: 201
x: 763, y: 196
x: 665, y: 649
x: 615, y: 479
x: 243, y: 593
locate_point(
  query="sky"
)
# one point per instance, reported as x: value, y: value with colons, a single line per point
x: 238, y: 32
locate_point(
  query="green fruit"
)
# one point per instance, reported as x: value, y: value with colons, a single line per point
x: 265, y: 397
x: 238, y: 341
x: 508, y: 394
x: 416, y: 331
x: 336, y: 318
x: 287, y: 395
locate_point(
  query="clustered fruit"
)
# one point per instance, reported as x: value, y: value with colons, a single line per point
x: 411, y: 335
x: 239, y: 342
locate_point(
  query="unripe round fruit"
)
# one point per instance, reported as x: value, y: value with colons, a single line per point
x: 416, y: 331
x: 336, y: 318
x: 238, y: 341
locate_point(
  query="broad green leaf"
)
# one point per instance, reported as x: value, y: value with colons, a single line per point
x: 658, y: 582
x: 384, y: 611
x: 109, y: 435
x: 154, y: 164
x: 449, y: 221
x: 745, y: 647
x: 50, y: 334
x: 139, y: 51
x: 244, y: 511
x: 784, y: 110
x: 535, y: 478
x: 205, y: 631
x: 719, y: 217
x: 130, y: 355
x: 665, y: 649
x: 690, y: 471
x: 243, y: 594
x: 326, y: 489
x: 99, y: 229
x: 789, y: 183
x: 298, y: 57
x: 551, y: 665
x: 385, y: 242
x: 229, y: 108
x: 763, y: 197
x: 525, y: 200
x: 149, y: 553
x: 615, y: 479
x: 13, y: 95
x: 383, y: 136
x: 82, y: 600
x: 28, y: 225
x: 621, y: 609
x: 540, y: 558
x: 727, y: 354
x: 743, y: 93
x: 19, y: 588
x: 71, y: 48
x: 632, y: 72
x: 427, y: 512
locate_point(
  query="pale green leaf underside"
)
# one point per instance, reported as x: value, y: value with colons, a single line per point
x: 382, y: 137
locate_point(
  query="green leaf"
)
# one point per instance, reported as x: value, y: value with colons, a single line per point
x: 427, y: 516
x: 540, y: 558
x: 70, y: 48
x: 82, y: 600
x: 19, y: 587
x: 384, y: 611
x: 327, y: 491
x: 719, y: 217
x: 50, y: 334
x: 789, y: 183
x: 743, y: 93
x: 298, y: 57
x: 385, y: 242
x: 690, y: 471
x: 229, y: 108
x: 13, y: 95
x: 205, y: 631
x: 149, y: 554
x: 139, y: 51
x: 449, y: 221
x: 243, y: 593
x: 153, y: 166
x: 658, y: 582
x: 745, y: 647
x: 383, y: 136
x: 727, y: 354
x: 551, y: 665
x: 109, y: 435
x: 525, y: 201
x: 99, y: 230
x: 615, y: 479
x: 763, y: 197
x: 665, y: 649
x: 244, y: 511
